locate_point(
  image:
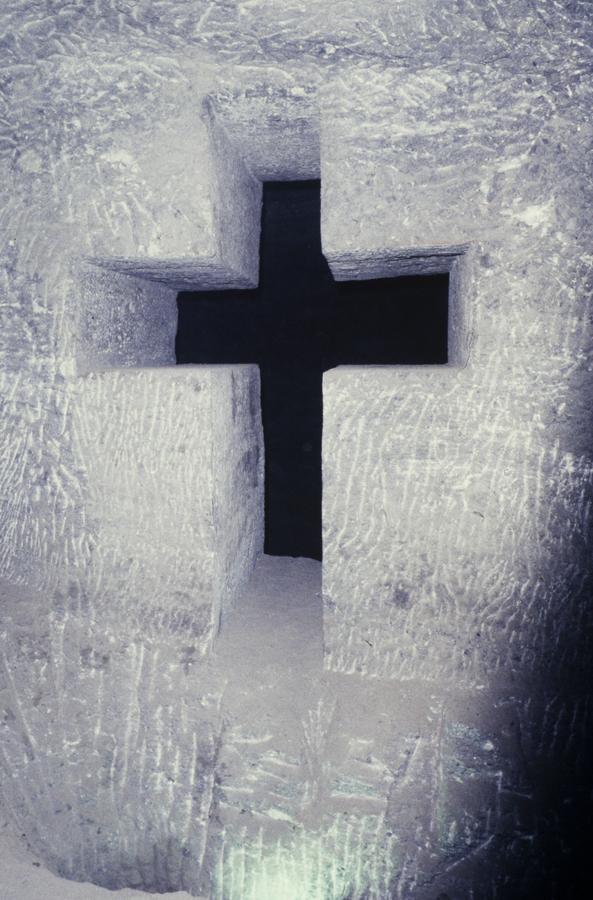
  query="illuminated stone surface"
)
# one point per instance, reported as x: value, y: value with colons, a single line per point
x: 446, y: 744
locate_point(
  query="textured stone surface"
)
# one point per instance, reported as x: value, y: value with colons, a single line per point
x: 23, y: 875
x: 319, y: 785
x: 457, y: 502
x: 457, y: 530
x: 275, y: 129
x: 95, y: 718
x: 467, y: 487
x: 173, y: 459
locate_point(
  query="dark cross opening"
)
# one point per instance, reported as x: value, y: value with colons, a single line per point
x: 297, y: 324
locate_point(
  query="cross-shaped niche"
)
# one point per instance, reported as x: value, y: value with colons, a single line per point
x: 295, y: 325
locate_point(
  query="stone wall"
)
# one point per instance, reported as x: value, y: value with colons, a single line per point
x: 167, y: 451
x: 457, y: 526
x: 456, y: 500
x: 122, y: 539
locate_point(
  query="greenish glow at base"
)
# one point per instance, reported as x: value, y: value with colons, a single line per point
x: 280, y: 876
x: 281, y: 886
x: 352, y: 859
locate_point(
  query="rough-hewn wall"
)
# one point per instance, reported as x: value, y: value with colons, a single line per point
x: 467, y: 522
x: 457, y: 525
x: 167, y: 451
x: 95, y: 718
x: 108, y: 160
x: 457, y: 522
x: 126, y: 527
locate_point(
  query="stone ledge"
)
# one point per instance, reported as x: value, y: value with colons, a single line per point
x: 203, y: 274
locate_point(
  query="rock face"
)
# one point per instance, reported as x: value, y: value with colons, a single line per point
x: 94, y: 720
x: 187, y: 442
x: 455, y: 705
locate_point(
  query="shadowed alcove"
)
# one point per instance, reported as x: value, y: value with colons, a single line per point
x: 296, y: 325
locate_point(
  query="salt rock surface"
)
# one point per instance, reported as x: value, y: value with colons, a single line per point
x: 447, y: 748
x: 24, y: 876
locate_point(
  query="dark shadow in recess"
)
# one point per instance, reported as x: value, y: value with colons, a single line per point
x: 297, y: 324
